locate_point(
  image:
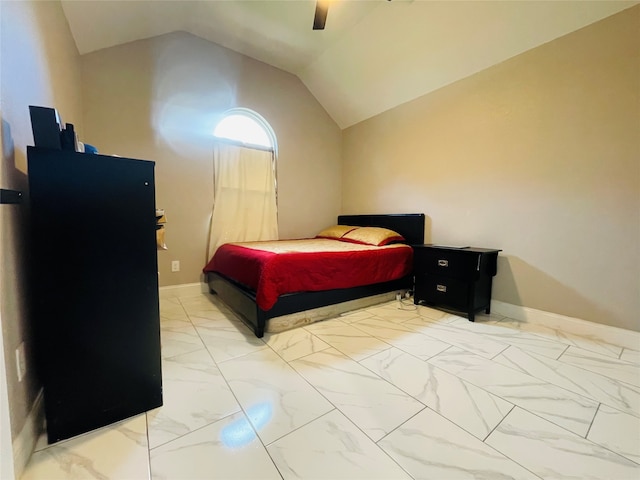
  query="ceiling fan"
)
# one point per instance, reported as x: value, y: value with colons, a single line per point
x: 320, y: 18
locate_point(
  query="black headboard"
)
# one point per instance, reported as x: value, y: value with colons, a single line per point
x: 409, y: 225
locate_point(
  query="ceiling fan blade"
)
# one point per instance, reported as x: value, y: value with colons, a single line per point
x: 320, y: 18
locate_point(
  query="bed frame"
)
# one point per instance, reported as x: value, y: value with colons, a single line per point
x: 243, y: 300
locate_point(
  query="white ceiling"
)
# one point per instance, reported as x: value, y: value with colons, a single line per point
x: 372, y: 55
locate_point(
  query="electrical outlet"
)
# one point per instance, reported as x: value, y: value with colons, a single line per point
x: 175, y: 266
x: 21, y: 362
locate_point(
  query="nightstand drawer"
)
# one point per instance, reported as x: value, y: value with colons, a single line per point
x: 437, y: 289
x: 451, y: 263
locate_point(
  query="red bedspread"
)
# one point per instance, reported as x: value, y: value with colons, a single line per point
x: 275, y: 268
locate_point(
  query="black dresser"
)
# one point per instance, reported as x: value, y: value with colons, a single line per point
x: 94, y: 293
x: 458, y: 279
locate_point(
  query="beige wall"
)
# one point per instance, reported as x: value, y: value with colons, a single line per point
x: 538, y: 156
x: 40, y: 66
x: 160, y: 99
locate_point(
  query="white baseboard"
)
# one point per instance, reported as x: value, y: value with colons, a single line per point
x: 25, y: 442
x: 183, y: 290
x: 617, y: 336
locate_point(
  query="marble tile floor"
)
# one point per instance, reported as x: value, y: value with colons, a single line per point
x: 389, y: 392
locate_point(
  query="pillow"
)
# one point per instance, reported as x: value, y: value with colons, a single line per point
x: 336, y: 231
x: 373, y: 236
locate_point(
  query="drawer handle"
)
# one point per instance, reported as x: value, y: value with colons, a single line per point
x: 443, y: 263
x: 441, y: 288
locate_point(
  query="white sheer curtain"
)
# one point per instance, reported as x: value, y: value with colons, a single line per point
x: 244, y: 196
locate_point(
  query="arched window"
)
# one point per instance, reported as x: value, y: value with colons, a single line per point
x: 247, y: 127
x: 245, y: 200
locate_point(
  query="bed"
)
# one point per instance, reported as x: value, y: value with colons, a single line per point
x: 231, y: 274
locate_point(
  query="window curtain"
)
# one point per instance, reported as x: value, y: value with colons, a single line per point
x: 244, y: 196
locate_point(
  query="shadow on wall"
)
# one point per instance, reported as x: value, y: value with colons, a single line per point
x: 427, y: 229
x: 544, y: 292
x: 16, y: 323
x: 504, y: 287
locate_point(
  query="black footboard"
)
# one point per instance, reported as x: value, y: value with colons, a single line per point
x: 243, y: 301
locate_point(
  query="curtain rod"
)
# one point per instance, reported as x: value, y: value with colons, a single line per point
x: 243, y: 144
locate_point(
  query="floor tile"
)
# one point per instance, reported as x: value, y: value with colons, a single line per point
x: 225, y: 339
x: 554, y: 453
x: 203, y: 301
x: 331, y: 447
x: 401, y: 337
x: 631, y: 356
x: 179, y: 340
x: 110, y: 453
x: 171, y: 303
x: 452, y: 335
x: 394, y: 313
x: 209, y: 308
x: 602, y: 364
x: 194, y: 395
x: 426, y: 384
x: 205, y: 317
x: 617, y: 431
x: 475, y: 410
x: 562, y: 407
x: 349, y: 340
x: 373, y: 404
x: 294, y: 343
x: 586, y: 341
x: 488, y: 318
x: 614, y: 393
x: 171, y: 310
x: 435, y: 314
x: 501, y: 334
x: 430, y: 447
x: 175, y: 322
x: 274, y: 396
x: 350, y: 317
x: 226, y: 449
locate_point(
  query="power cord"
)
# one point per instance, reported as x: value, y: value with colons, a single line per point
x: 404, y: 301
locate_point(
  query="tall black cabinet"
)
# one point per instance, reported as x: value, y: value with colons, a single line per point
x: 94, y: 289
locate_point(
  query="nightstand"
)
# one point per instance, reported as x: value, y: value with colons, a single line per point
x: 454, y: 278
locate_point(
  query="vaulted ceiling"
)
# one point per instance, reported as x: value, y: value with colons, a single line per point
x: 372, y: 55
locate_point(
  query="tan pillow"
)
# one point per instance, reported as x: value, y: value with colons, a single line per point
x: 373, y: 236
x: 336, y: 231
